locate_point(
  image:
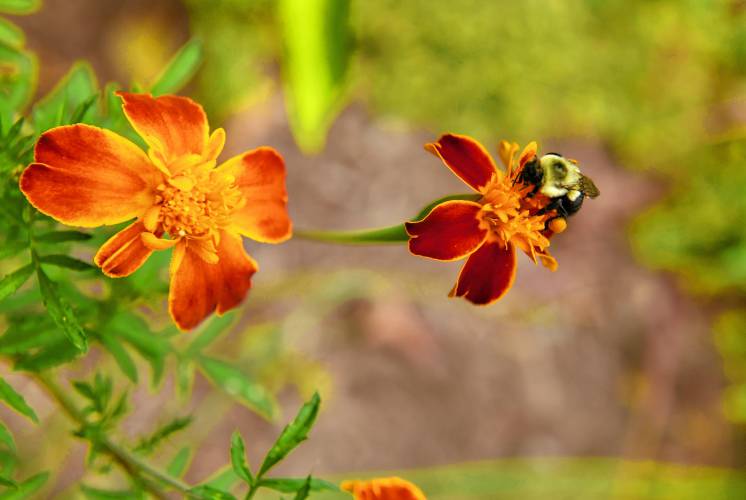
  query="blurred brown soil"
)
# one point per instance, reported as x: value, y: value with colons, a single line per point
x: 601, y: 357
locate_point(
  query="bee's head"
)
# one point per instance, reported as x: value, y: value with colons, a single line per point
x: 559, y: 174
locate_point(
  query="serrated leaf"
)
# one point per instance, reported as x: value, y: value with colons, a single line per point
x: 239, y: 385
x: 316, y: 56
x: 120, y: 355
x: 304, y: 490
x: 61, y: 312
x: 178, y: 465
x: 209, y: 493
x: 216, y: 326
x: 16, y: 401
x: 151, y: 346
x: 52, y: 354
x: 57, y: 107
x: 293, y: 434
x: 149, y: 444
x: 291, y: 484
x: 13, y: 281
x: 67, y: 262
x: 180, y: 69
x: 26, y: 488
x: 238, y: 458
x: 7, y: 438
x: 62, y: 236
x: 19, y: 6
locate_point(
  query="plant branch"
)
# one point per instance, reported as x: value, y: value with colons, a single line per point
x: 132, y: 464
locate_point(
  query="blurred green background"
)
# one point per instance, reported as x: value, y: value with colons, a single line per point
x: 635, y: 349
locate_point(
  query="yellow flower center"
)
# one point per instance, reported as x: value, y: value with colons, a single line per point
x: 510, y: 216
x: 197, y: 202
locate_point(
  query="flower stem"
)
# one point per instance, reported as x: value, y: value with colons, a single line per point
x: 392, y: 234
x: 132, y: 464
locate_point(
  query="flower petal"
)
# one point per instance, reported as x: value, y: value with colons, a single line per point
x: 199, y: 288
x: 466, y: 158
x: 449, y: 232
x: 488, y: 273
x: 123, y: 253
x: 260, y: 176
x: 87, y: 176
x: 173, y: 125
x: 389, y: 488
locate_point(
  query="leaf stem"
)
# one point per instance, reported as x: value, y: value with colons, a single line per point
x: 391, y: 234
x: 134, y: 465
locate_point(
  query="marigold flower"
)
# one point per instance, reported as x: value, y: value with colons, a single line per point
x: 488, y: 230
x: 389, y: 488
x: 88, y: 176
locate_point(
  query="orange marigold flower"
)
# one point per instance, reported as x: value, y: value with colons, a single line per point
x: 88, y: 176
x: 389, y: 488
x: 486, y: 231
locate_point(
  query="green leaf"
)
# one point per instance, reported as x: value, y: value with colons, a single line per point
x: 67, y: 262
x: 178, y: 465
x: 62, y: 236
x: 99, y: 494
x: 120, y: 355
x: 291, y: 484
x: 11, y: 35
x: 19, y: 6
x: 304, y: 490
x: 7, y: 438
x: 53, y: 353
x: 293, y: 434
x: 239, y: 385
x: 153, y: 347
x: 148, y: 445
x: 16, y: 401
x: 74, y: 89
x: 7, y: 482
x: 180, y: 69
x: 238, y: 458
x: 209, y: 493
x: 392, y: 234
x: 61, y: 312
x: 13, y: 281
x: 224, y: 480
x: 317, y: 51
x: 10, y: 249
x: 18, y: 74
x: 27, y: 488
x: 216, y: 326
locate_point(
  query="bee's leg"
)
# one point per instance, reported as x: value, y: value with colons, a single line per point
x: 557, y: 204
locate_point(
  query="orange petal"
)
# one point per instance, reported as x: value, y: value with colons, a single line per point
x: 466, y: 158
x: 528, y: 152
x: 155, y: 243
x: 199, y: 288
x: 488, y: 273
x: 88, y: 176
x: 123, y: 253
x: 449, y: 232
x: 172, y: 125
x: 388, y: 488
x: 260, y: 176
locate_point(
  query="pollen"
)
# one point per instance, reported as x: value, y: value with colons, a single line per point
x: 197, y: 203
x: 512, y: 215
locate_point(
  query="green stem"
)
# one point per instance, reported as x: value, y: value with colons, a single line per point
x: 392, y: 234
x: 381, y: 235
x: 134, y: 465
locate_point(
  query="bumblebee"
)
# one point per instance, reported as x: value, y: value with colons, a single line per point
x: 559, y: 179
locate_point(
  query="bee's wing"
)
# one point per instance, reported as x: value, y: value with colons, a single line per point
x: 588, y: 187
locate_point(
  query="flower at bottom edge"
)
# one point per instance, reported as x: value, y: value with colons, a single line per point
x: 389, y: 488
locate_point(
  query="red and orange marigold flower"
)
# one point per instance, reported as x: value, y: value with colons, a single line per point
x: 389, y: 488
x: 87, y: 176
x: 488, y: 230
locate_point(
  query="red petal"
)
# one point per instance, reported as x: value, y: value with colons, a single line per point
x: 199, y: 288
x: 260, y: 176
x: 123, y: 253
x: 488, y: 274
x: 87, y: 176
x: 449, y: 232
x: 173, y: 125
x: 466, y: 158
